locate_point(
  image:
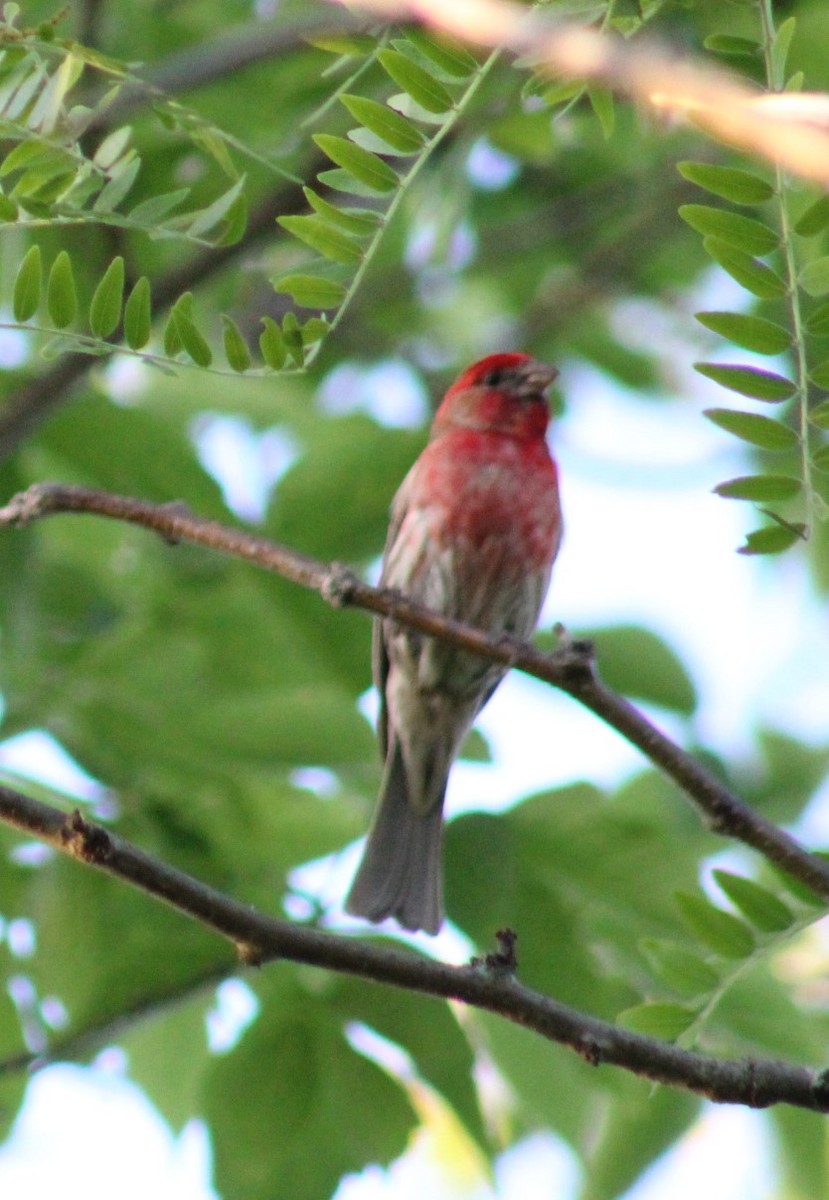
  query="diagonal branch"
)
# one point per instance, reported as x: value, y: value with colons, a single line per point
x: 571, y: 668
x: 489, y: 984
x: 206, y: 62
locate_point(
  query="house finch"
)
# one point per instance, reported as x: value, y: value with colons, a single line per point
x: 475, y: 527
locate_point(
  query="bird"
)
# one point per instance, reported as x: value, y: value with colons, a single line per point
x: 474, y: 530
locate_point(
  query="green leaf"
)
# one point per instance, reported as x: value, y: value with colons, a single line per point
x: 112, y: 147
x: 360, y: 223
x: 755, y: 276
x: 602, y: 103
x: 172, y: 341
x: 114, y: 191
x: 31, y: 153
x: 138, y: 315
x: 819, y: 415
x: 191, y: 340
x: 27, y: 285
x: 679, y: 967
x: 743, y: 233
x: 780, y: 51
x: 201, y: 222
x: 820, y: 458
x: 236, y: 348
x: 311, y: 291
x: 314, y: 330
x: 658, y: 1019
x: 320, y: 236
x: 756, y: 903
x: 8, y: 209
x: 383, y: 121
x: 449, y: 55
x: 235, y: 222
x: 814, y: 278
x: 272, y: 344
x: 771, y: 539
x: 724, y: 933
x: 44, y: 116
x: 348, y: 45
x: 761, y: 488
x: 731, y: 46
x: 636, y: 662
x: 748, y: 381
x: 750, y: 332
x: 741, y: 187
x: 366, y: 167
x: 819, y: 374
x: 292, y: 336
x: 801, y: 1162
x: 294, y: 1072
x: 754, y: 428
x: 415, y: 81
x: 817, y: 323
x: 20, y: 89
x: 105, y: 309
x: 340, y: 180
x: 61, y: 300
x: 150, y: 212
x: 815, y: 219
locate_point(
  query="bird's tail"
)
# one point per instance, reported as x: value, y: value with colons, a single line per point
x: 401, y: 874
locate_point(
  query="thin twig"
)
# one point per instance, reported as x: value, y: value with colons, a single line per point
x: 571, y: 668
x: 487, y: 985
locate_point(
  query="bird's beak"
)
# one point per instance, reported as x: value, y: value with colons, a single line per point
x: 536, y: 377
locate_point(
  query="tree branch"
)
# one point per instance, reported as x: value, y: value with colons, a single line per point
x: 206, y: 62
x: 571, y: 668
x: 489, y: 984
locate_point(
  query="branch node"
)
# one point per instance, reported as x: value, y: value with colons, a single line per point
x: 339, y: 585
x: 820, y: 1087
x: 503, y: 961
x: 511, y: 648
x: 590, y: 1050
x: 85, y: 841
x: 577, y: 657
x: 249, y: 953
x: 717, y: 819
x: 174, y: 508
x: 25, y: 506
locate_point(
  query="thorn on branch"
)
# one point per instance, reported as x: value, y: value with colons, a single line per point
x: 504, y: 960
x: 339, y: 585
x: 590, y: 1050
x: 249, y: 953
x: 90, y: 843
x: 717, y: 819
x: 576, y: 655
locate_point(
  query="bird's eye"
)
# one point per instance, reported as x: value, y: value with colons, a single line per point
x: 494, y: 377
